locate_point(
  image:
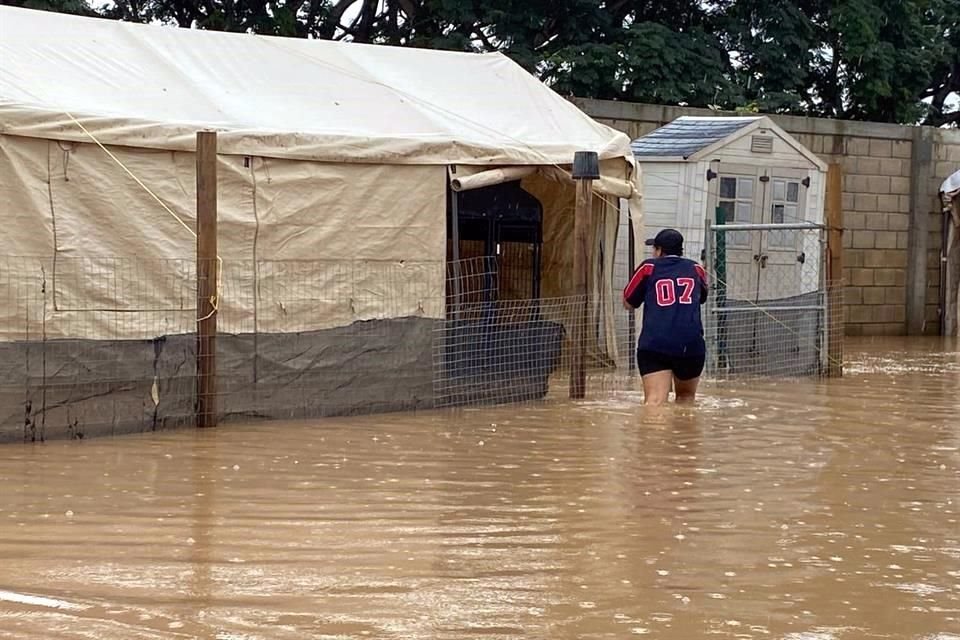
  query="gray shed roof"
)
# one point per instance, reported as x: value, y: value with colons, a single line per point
x: 687, y: 135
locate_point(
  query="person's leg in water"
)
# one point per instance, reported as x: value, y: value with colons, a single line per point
x: 686, y: 379
x: 656, y: 387
x: 686, y: 389
x: 654, y: 369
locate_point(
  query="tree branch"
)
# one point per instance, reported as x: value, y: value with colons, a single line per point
x: 941, y: 119
x: 484, y: 39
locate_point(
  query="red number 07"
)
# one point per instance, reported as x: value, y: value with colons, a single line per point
x: 667, y: 293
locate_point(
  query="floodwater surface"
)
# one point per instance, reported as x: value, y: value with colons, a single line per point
x: 790, y: 510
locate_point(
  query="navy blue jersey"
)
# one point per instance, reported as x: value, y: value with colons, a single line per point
x: 671, y: 290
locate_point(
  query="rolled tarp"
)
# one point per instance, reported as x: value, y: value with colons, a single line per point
x: 606, y: 185
x: 489, y: 177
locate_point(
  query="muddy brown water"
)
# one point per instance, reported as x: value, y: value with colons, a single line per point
x: 800, y: 510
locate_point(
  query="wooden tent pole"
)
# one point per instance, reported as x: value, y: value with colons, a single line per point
x: 834, y: 270
x: 207, y: 279
x: 586, y: 169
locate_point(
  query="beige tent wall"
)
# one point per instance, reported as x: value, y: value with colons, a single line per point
x: 558, y: 200
x: 359, y: 241
x: 24, y: 197
x: 27, y: 231
x: 369, y: 240
x: 558, y: 197
x: 557, y: 192
x: 305, y: 245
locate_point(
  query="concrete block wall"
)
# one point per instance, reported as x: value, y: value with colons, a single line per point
x: 892, y: 220
x: 876, y: 207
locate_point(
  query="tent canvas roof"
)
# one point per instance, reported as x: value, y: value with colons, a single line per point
x: 154, y: 86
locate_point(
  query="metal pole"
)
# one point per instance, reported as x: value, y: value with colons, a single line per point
x: 709, y: 311
x: 719, y: 247
x: 631, y: 316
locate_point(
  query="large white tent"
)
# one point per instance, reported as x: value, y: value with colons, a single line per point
x: 336, y: 168
x: 328, y: 151
x: 153, y: 87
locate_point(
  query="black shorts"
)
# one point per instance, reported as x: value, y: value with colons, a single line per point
x: 683, y: 368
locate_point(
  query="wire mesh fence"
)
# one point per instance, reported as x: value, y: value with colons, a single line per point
x: 509, y: 275
x: 109, y: 345
x: 101, y: 346
x: 82, y: 343
x: 517, y: 350
x: 772, y: 311
x: 314, y: 338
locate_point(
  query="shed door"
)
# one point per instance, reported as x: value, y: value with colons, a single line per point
x: 740, y: 200
x: 781, y: 252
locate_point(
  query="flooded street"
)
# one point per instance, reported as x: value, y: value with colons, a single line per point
x: 790, y: 510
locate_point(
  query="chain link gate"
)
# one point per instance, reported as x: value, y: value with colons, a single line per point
x: 769, y: 312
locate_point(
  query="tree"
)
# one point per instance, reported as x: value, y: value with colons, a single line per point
x: 773, y: 46
x: 888, y: 51
x: 849, y: 59
x: 659, y: 52
x: 945, y: 77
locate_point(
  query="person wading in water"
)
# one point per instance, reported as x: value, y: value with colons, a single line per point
x: 671, y: 350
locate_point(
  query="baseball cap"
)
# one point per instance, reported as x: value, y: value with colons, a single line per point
x: 670, y: 241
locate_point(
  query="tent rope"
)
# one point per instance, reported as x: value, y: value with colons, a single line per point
x: 215, y: 298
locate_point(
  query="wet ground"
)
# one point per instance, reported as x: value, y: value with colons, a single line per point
x: 800, y: 510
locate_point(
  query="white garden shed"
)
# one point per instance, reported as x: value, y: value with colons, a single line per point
x: 752, y: 172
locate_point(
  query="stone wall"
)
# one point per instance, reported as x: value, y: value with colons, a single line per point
x: 892, y: 220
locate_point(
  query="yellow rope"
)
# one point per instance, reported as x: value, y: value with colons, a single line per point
x: 215, y: 299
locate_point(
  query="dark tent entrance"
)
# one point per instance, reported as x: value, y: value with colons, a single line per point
x: 497, y: 345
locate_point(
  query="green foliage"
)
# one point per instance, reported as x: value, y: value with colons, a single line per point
x: 851, y: 59
x: 77, y: 7
x: 890, y: 49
